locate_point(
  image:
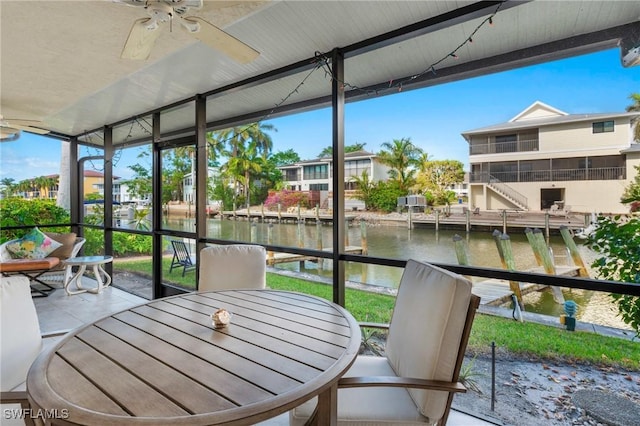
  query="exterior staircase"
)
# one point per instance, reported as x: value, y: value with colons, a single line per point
x: 508, y: 193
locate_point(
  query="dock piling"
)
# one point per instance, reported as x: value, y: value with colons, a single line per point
x: 363, y: 237
x: 573, y: 250
x: 540, y: 246
x: 503, y: 243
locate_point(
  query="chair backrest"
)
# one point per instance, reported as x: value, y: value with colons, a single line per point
x: 20, y: 339
x: 233, y: 266
x: 426, y: 330
x: 182, y: 252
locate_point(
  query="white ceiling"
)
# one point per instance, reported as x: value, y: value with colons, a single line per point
x: 60, y: 60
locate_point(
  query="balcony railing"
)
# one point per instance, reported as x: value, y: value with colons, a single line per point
x: 602, y: 173
x: 502, y: 147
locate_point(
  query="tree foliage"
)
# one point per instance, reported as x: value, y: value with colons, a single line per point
x: 328, y: 151
x: 366, y: 189
x: 437, y: 176
x: 632, y: 191
x: 19, y: 212
x: 284, y: 158
x: 635, y: 107
x: 618, y: 240
x: 384, y: 196
x: 402, y: 157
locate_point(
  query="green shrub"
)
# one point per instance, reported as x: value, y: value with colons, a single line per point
x: 618, y: 239
x: 19, y: 212
x: 124, y: 244
x: 384, y: 197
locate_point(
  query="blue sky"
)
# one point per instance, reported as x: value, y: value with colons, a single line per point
x: 433, y: 117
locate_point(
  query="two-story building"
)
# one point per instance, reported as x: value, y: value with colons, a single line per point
x: 316, y: 176
x: 544, y: 157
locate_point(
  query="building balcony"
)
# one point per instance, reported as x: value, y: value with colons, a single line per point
x: 602, y: 173
x: 504, y: 147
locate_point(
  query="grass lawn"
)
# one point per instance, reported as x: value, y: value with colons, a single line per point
x: 520, y: 339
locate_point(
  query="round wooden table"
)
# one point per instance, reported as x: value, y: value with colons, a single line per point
x: 103, y: 279
x: 164, y: 363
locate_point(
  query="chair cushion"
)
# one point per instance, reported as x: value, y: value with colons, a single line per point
x: 233, y: 266
x: 20, y: 340
x: 426, y: 329
x: 368, y: 406
x: 34, y: 245
x: 67, y: 240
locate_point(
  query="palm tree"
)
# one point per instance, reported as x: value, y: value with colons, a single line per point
x: 402, y: 156
x: 635, y: 107
x: 8, y: 185
x: 243, y: 165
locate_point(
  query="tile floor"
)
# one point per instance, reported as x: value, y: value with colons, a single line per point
x: 59, y: 312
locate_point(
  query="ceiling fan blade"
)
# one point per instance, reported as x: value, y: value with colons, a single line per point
x: 219, y: 40
x: 29, y: 129
x: 140, y: 41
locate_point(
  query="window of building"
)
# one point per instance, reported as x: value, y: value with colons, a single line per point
x: 290, y: 175
x: 319, y: 187
x: 603, y: 126
x: 318, y: 171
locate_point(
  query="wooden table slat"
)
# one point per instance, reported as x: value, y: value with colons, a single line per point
x: 82, y: 391
x: 269, y: 379
x: 312, y: 343
x: 309, y: 326
x: 117, y: 383
x: 190, y: 395
x: 274, y: 361
x: 284, y: 343
x: 200, y: 370
x: 284, y: 306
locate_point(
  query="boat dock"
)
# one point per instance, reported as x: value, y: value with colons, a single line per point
x: 497, y: 292
x: 292, y: 215
x: 275, y: 258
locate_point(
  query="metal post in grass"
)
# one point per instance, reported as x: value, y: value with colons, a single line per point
x: 493, y: 376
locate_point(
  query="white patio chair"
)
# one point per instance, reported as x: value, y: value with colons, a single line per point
x: 415, y: 383
x: 20, y: 340
x: 232, y: 266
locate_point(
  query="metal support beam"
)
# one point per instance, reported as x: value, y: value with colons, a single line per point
x: 201, y: 177
x: 156, y: 179
x: 108, y: 196
x: 74, y: 187
x: 339, y: 229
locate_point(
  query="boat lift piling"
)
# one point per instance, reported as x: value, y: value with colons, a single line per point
x: 503, y: 243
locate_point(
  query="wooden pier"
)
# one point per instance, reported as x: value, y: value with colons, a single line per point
x: 497, y: 292
x: 275, y: 258
x: 290, y: 216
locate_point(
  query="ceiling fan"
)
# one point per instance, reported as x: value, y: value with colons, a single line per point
x: 10, y: 130
x: 145, y: 31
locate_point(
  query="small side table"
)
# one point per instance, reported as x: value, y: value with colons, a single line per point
x: 103, y: 279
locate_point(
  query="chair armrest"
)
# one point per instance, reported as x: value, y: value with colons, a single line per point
x: 13, y: 397
x: 373, y: 325
x: 402, y: 382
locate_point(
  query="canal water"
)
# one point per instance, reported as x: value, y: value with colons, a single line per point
x: 425, y: 244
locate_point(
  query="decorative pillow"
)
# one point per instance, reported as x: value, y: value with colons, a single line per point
x: 68, y: 240
x: 34, y: 245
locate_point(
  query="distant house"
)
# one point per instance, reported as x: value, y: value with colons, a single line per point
x: 316, y: 175
x: 544, y: 158
x: 189, y: 189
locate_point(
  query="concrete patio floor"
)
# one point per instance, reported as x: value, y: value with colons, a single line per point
x: 61, y: 312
